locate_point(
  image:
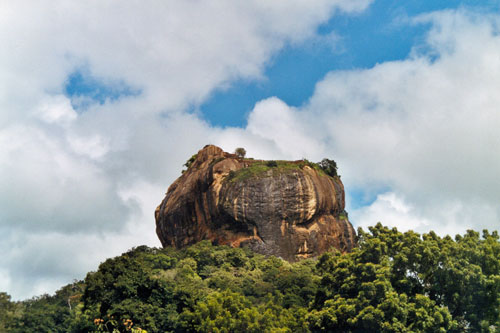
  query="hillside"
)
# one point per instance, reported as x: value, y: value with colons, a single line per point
x: 390, y: 282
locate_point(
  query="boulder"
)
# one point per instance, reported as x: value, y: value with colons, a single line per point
x: 290, y: 209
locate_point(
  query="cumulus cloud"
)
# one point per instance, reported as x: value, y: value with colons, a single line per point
x: 424, y: 130
x: 274, y: 120
x: 418, y: 135
x: 177, y: 50
x: 79, y: 185
x: 394, y: 211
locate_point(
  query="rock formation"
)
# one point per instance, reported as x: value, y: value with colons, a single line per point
x: 288, y: 209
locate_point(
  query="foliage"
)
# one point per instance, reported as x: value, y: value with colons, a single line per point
x: 329, y: 167
x: 240, y: 152
x: 260, y: 168
x: 44, y: 313
x: 7, y: 311
x: 392, y: 282
x: 272, y: 164
x: 190, y: 161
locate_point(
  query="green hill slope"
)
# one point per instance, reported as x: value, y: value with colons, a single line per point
x: 392, y: 282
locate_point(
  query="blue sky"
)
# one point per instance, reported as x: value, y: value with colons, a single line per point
x: 102, y: 103
x: 381, y: 33
x: 86, y: 90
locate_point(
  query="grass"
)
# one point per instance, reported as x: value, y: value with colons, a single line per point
x: 259, y: 168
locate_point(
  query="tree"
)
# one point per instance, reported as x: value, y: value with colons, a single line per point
x: 190, y: 161
x: 367, y: 291
x: 329, y: 167
x: 240, y: 152
x: 390, y: 282
x: 7, y: 310
x: 272, y: 164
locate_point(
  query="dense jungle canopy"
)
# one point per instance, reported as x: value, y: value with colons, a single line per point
x: 391, y: 282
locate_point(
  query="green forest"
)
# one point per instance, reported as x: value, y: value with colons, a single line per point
x: 391, y: 282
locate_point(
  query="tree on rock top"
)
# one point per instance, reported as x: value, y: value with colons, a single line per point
x: 240, y: 152
x: 329, y: 167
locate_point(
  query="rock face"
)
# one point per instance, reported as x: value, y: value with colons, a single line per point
x: 291, y: 210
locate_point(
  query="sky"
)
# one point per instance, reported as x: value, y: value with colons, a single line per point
x: 102, y: 102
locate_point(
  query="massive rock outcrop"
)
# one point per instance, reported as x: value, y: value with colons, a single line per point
x: 288, y: 209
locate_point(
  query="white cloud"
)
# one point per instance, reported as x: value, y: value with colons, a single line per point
x: 424, y: 131
x: 93, y: 146
x: 176, y: 51
x: 83, y: 185
x: 274, y: 120
x: 56, y: 109
x: 425, y: 128
x: 46, y: 187
x: 392, y: 211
